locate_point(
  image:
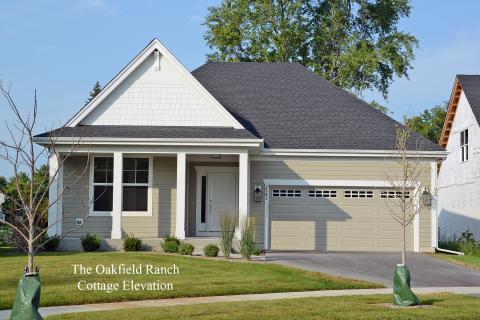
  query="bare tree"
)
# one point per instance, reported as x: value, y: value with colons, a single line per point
x: 403, y: 202
x: 22, y: 154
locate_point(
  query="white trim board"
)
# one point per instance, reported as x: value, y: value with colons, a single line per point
x: 154, y: 45
x: 334, y: 183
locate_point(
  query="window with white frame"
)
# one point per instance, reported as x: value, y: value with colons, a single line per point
x: 135, y: 184
x: 464, y: 145
x: 387, y: 194
x: 102, y: 184
x: 322, y: 193
x: 358, y: 194
x: 286, y: 193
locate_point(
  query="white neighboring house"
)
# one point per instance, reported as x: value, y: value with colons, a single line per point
x: 459, y: 176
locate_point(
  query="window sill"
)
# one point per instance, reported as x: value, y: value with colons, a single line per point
x: 136, y: 214
x: 100, y: 214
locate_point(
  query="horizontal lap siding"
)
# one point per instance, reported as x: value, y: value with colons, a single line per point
x: 162, y: 221
x: 328, y: 170
x: 76, y: 201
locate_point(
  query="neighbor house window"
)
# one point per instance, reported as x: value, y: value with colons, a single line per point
x: 135, y: 184
x: 102, y: 184
x: 464, y: 145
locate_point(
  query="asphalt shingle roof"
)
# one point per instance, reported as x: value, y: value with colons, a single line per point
x: 471, y: 88
x: 293, y: 108
x: 96, y: 131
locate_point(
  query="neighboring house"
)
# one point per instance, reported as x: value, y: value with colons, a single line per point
x: 171, y: 151
x: 2, y: 200
x: 459, y: 177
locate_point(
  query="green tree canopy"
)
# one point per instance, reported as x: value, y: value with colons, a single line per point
x: 429, y: 123
x: 355, y: 44
x: 94, y: 92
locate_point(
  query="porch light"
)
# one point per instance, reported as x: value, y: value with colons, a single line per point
x: 426, y: 197
x: 257, y: 192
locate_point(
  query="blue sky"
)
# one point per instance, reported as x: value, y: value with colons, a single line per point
x: 61, y: 48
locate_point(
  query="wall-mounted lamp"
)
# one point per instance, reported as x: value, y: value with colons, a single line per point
x: 257, y: 193
x: 426, y: 197
x: 216, y: 156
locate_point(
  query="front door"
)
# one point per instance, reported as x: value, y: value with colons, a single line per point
x: 218, y: 195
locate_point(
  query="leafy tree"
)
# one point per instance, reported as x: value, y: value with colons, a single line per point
x: 380, y: 107
x: 355, y: 44
x: 429, y: 123
x: 97, y: 88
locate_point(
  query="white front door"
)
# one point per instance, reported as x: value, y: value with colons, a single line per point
x: 217, y: 194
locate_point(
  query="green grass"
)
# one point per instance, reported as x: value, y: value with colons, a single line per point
x: 438, y: 306
x: 198, y: 277
x: 466, y: 261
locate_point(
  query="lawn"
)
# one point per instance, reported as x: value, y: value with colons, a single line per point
x: 466, y: 261
x: 437, y: 306
x: 198, y: 277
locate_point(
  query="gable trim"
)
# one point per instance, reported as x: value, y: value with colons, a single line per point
x: 452, y: 109
x: 155, y: 44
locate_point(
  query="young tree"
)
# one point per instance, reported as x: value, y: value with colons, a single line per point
x: 354, y: 44
x: 405, y: 205
x: 97, y: 88
x: 27, y: 193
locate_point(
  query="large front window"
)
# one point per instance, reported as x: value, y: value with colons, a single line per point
x: 102, y: 184
x: 135, y: 184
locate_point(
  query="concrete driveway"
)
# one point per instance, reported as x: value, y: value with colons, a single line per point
x: 378, y: 267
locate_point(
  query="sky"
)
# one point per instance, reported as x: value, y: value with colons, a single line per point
x: 60, y: 48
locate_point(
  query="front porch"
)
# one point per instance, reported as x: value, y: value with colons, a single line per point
x: 186, y: 194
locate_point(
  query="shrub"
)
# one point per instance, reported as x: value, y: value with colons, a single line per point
x: 186, y: 249
x: 170, y: 246
x: 257, y: 251
x: 51, y: 243
x: 469, y: 248
x: 171, y: 238
x: 5, y: 235
x: 247, y: 239
x: 91, y: 242
x: 211, y: 250
x: 227, y: 232
x: 131, y: 243
x: 448, y: 242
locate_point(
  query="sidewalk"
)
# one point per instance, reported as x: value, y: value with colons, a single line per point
x: 47, y: 311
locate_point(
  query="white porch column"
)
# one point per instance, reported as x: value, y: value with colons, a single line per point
x: 117, y: 196
x: 54, y: 192
x: 243, y: 189
x: 181, y: 188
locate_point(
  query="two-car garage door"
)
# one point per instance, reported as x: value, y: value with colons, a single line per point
x: 314, y: 218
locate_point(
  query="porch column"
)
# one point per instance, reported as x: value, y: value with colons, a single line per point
x: 181, y: 181
x: 117, y: 196
x: 54, y: 195
x: 243, y: 188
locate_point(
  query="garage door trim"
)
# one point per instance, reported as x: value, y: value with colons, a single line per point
x: 336, y: 183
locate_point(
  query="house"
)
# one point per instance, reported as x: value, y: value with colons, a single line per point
x: 2, y: 200
x: 168, y: 152
x: 459, y: 176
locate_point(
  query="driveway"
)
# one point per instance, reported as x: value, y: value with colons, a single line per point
x: 378, y: 267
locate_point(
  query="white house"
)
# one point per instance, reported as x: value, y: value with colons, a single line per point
x: 459, y: 176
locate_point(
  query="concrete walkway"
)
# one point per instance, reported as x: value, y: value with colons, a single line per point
x: 475, y: 291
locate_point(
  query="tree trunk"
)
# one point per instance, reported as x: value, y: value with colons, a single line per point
x: 403, y: 243
x: 31, y: 251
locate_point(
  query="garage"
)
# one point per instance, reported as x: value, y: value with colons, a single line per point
x: 334, y: 219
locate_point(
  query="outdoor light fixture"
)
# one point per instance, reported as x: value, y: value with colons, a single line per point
x: 426, y: 197
x: 257, y: 193
x: 216, y: 156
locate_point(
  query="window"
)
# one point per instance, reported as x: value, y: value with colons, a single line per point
x: 393, y: 194
x: 135, y: 184
x: 322, y: 193
x: 464, y: 145
x: 358, y: 194
x: 282, y: 193
x: 203, y: 209
x: 102, y: 184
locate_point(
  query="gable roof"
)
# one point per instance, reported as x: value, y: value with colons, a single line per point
x: 291, y: 107
x: 470, y: 85
x: 154, y: 45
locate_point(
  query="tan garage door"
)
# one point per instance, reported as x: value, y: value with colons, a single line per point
x: 357, y: 219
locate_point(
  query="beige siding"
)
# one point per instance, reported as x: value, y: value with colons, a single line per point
x: 329, y: 170
x: 76, y: 201
x: 162, y: 221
